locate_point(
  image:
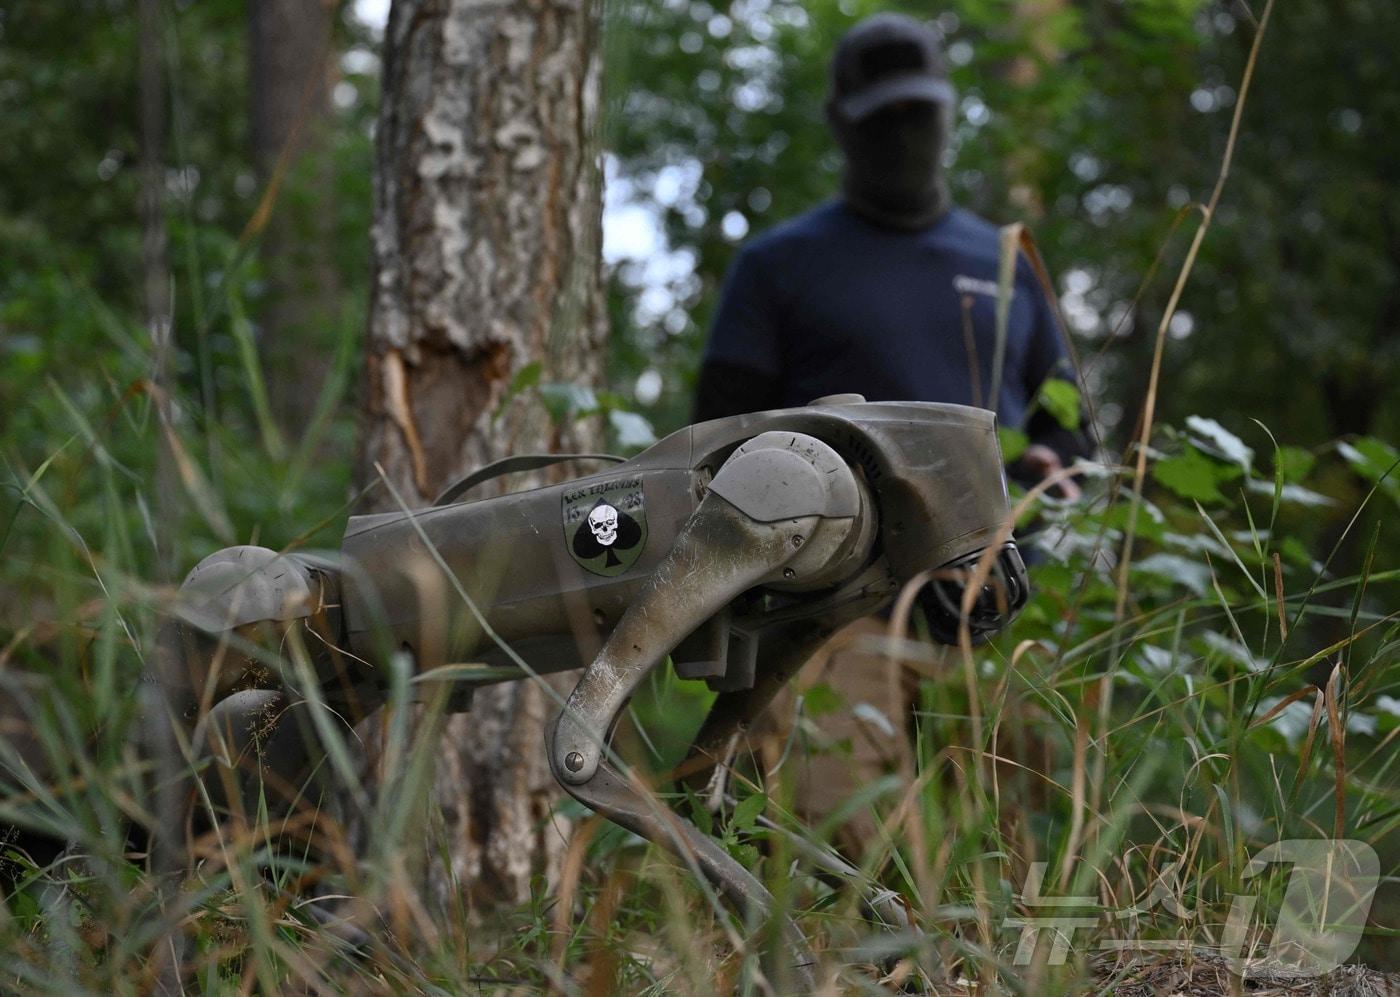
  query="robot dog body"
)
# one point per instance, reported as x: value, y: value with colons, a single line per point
x: 735, y: 547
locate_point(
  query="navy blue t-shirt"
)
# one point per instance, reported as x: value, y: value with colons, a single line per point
x: 828, y: 302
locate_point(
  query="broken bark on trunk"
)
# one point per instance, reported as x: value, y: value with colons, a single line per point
x: 486, y: 259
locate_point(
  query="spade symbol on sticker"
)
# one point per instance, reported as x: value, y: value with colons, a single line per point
x: 605, y: 525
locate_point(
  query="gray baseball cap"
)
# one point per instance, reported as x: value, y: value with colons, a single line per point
x: 886, y: 59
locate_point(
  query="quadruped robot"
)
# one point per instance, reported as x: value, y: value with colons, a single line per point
x: 734, y: 547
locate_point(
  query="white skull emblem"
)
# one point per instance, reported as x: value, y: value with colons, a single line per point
x: 603, y: 522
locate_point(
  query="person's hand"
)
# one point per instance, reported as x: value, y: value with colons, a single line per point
x: 1041, y: 462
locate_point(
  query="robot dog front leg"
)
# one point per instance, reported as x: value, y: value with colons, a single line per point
x: 784, y: 511
x: 220, y: 661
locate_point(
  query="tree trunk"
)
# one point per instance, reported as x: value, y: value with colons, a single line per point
x: 486, y: 258
x: 155, y: 268
x: 290, y: 72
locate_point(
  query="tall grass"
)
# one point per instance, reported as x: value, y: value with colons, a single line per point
x: 1253, y: 699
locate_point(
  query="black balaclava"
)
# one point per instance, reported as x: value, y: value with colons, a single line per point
x: 894, y: 163
x: 890, y: 108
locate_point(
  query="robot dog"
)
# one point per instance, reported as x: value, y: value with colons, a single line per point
x: 735, y: 547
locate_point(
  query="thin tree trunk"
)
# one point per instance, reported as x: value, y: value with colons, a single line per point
x: 168, y: 852
x: 155, y: 268
x: 290, y: 72
x: 486, y: 259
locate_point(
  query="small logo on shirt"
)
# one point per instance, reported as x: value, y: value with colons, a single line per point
x: 964, y: 284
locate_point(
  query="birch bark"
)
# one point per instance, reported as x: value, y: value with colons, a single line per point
x: 486, y: 258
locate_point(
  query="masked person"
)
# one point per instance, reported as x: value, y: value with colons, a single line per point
x: 889, y: 291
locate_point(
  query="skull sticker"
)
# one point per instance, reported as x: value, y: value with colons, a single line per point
x: 603, y: 522
x: 605, y: 525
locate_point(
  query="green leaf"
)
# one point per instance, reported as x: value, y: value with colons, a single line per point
x: 1013, y: 443
x: 526, y: 377
x: 1191, y: 475
x: 1150, y: 522
x: 746, y: 854
x: 699, y: 814
x: 1191, y: 574
x: 1230, y: 446
x: 820, y: 699
x: 565, y: 401
x: 1294, y: 552
x: 1294, y: 463
x: 1295, y: 494
x: 1375, y: 461
x: 747, y: 811
x: 633, y: 431
x: 1061, y: 399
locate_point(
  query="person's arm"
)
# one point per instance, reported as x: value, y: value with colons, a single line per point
x: 742, y: 367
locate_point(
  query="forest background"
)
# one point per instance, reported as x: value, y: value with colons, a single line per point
x: 1101, y: 125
